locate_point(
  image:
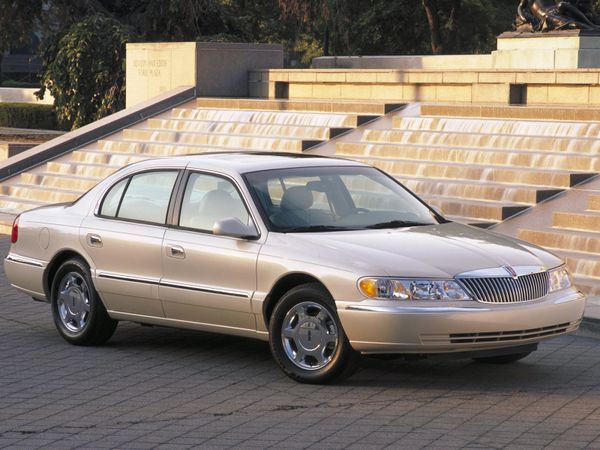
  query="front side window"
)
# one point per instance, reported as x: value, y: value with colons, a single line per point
x: 335, y: 199
x: 208, y: 199
x: 143, y: 197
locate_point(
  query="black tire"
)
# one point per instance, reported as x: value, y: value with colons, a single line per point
x: 502, y: 359
x: 79, y: 315
x: 339, y: 359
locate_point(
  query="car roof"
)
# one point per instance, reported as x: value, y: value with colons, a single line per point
x: 245, y: 162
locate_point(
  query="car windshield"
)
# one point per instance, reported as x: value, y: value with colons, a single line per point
x: 335, y: 199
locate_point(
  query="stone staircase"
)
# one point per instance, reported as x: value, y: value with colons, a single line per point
x: 481, y: 171
x: 573, y: 232
x: 204, y: 125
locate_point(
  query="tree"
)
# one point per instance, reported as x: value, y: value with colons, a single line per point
x: 17, y: 20
x: 83, y: 70
x: 326, y: 20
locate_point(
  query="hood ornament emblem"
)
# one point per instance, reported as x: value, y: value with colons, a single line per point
x: 511, y: 272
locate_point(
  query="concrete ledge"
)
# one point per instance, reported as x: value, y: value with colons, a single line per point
x: 24, y: 95
x: 534, y: 112
x: 404, y: 62
x: 94, y: 131
x: 8, y: 149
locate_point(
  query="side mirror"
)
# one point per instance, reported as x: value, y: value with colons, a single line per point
x: 233, y: 227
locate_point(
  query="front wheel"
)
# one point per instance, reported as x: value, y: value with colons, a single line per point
x: 307, y: 339
x: 78, y: 312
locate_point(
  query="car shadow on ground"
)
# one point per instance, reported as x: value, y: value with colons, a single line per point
x: 562, y: 363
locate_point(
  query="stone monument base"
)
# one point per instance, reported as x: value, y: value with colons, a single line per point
x: 214, y: 68
x: 552, y: 50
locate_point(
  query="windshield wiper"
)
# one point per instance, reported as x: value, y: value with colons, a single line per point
x: 316, y: 228
x: 397, y: 224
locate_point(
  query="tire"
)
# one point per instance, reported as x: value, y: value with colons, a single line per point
x: 306, y: 316
x: 79, y: 315
x: 502, y: 359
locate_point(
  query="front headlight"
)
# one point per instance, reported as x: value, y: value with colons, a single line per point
x: 558, y: 279
x: 411, y: 289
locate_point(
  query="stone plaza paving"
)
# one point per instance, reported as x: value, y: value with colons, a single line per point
x: 164, y: 388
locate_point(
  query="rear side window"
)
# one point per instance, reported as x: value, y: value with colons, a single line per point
x: 110, y: 205
x: 143, y: 197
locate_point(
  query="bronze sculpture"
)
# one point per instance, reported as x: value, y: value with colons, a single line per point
x: 548, y: 15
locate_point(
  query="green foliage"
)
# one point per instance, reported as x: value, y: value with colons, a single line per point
x: 306, y: 49
x: 84, y: 70
x: 26, y: 115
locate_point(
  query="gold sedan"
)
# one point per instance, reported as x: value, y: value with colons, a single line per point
x: 325, y: 258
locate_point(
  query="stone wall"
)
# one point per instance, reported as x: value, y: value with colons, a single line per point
x: 558, y: 87
x: 215, y: 69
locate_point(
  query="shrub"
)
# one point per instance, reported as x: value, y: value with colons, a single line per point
x: 84, y: 71
x: 26, y: 115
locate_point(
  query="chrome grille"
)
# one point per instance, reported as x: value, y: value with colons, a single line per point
x: 507, y: 289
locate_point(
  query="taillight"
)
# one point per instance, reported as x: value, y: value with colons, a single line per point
x: 15, y: 231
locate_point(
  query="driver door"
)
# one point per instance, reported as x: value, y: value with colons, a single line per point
x: 209, y: 279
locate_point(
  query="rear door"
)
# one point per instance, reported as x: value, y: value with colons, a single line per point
x: 124, y: 239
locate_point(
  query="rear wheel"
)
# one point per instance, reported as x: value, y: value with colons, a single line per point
x: 502, y: 359
x: 307, y: 339
x: 78, y: 312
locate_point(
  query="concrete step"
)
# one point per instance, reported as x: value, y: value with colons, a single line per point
x: 272, y: 117
x: 588, y: 267
x: 594, y: 202
x: 249, y: 129
x: 59, y: 180
x: 539, y: 128
x: 579, y: 113
x: 155, y: 150
x: 585, y: 221
x: 6, y: 221
x: 475, y: 210
x: 485, y: 140
x: 221, y: 140
x: 102, y: 157
x: 350, y: 107
x: 503, y: 157
x: 42, y: 194
x: 15, y: 205
x: 509, y: 193
x: 81, y: 169
x: 564, y: 240
x: 555, y: 179
x: 587, y: 285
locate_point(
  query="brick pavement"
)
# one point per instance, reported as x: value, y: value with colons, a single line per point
x: 164, y: 388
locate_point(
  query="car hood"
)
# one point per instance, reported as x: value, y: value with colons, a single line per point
x: 439, y: 251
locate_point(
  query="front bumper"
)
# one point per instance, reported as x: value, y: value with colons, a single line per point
x: 387, y: 327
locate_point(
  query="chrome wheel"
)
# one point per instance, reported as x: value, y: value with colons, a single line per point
x: 309, y: 335
x: 73, y: 302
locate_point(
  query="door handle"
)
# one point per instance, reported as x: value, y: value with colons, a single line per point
x: 177, y: 251
x: 94, y: 240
